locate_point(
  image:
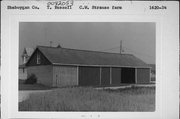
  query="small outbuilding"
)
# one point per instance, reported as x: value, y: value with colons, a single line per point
x: 58, y: 67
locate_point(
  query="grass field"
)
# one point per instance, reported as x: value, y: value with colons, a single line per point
x: 90, y: 99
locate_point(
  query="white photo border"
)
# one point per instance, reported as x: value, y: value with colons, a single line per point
x: 10, y: 58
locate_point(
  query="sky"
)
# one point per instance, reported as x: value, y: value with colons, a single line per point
x: 138, y: 38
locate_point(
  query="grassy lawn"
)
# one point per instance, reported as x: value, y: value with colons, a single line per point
x: 90, y: 99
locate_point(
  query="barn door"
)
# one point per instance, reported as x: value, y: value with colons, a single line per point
x: 105, y: 76
x: 65, y: 76
x: 56, y: 75
x: 58, y: 80
x: 89, y: 76
x: 116, y: 76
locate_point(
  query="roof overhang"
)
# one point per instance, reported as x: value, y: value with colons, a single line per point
x: 62, y: 64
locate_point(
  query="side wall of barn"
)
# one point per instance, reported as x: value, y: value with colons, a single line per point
x: 143, y: 75
x: 65, y: 76
x: 43, y: 74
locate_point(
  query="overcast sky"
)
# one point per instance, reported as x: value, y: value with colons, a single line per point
x: 137, y: 38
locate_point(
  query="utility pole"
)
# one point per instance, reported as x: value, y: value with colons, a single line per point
x: 120, y: 46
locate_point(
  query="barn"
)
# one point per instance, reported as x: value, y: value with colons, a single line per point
x: 59, y: 67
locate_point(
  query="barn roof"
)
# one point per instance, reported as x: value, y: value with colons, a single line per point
x: 84, y: 57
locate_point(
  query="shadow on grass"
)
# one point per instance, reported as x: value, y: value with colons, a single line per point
x: 23, y: 86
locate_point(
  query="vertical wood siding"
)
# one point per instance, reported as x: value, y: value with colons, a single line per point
x: 89, y: 76
x: 64, y: 76
x: 116, y: 76
x: 43, y: 73
x: 105, y: 76
x: 128, y: 75
x: 143, y: 75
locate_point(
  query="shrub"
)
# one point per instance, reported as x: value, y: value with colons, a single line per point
x: 32, y: 79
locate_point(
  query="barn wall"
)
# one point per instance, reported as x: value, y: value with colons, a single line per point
x: 64, y: 76
x: 143, y: 75
x: 43, y: 74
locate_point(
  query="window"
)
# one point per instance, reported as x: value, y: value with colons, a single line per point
x: 38, y: 58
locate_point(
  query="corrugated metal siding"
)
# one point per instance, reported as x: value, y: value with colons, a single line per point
x: 43, y: 73
x: 143, y: 75
x: 116, y: 76
x: 89, y: 76
x: 128, y: 75
x: 64, y: 76
x: 105, y: 76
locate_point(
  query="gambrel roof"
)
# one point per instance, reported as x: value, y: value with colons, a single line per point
x: 65, y: 56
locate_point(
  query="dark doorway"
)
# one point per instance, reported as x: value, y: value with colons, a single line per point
x: 128, y: 75
x: 105, y: 76
x: 89, y: 76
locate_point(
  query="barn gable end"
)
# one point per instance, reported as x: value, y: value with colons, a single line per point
x: 34, y: 57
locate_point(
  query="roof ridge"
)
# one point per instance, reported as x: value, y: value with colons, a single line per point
x: 84, y: 50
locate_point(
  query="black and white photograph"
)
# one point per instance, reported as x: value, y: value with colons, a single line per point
x: 87, y: 66
x: 89, y: 59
